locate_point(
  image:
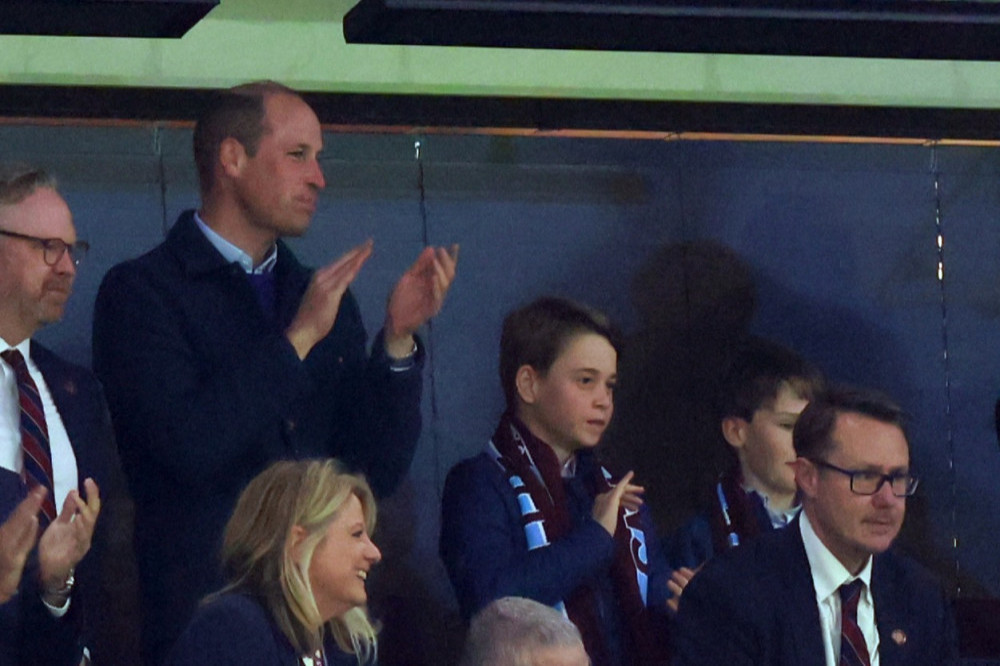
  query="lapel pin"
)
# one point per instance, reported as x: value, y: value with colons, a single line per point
x: 70, y: 387
x: 898, y: 636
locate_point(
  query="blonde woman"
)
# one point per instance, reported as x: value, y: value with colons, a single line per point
x: 296, y: 552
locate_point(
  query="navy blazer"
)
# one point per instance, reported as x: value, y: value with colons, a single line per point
x: 756, y: 606
x: 205, y: 392
x: 235, y: 630
x: 29, y: 634
x: 698, y: 540
x: 486, y: 553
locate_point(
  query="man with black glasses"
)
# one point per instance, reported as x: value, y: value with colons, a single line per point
x: 827, y: 591
x: 56, y: 443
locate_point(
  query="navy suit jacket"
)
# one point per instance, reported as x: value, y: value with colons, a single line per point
x: 756, y: 605
x: 486, y: 554
x: 235, y: 630
x: 28, y: 632
x: 205, y: 392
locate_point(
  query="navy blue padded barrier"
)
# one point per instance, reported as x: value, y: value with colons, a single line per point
x: 839, y: 240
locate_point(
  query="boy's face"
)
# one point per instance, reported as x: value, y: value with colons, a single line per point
x: 570, y: 406
x: 764, y: 444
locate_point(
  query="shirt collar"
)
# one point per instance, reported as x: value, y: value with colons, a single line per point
x: 778, y: 518
x: 568, y: 469
x: 828, y: 573
x: 233, y: 254
x: 24, y: 346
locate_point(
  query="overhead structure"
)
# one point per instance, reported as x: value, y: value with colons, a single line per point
x: 921, y: 29
x: 102, y: 18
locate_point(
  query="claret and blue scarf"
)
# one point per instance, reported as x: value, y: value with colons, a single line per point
x: 534, y: 473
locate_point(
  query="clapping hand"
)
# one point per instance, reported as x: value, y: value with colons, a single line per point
x: 418, y: 296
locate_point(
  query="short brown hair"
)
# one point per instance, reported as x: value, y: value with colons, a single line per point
x: 19, y: 181
x: 238, y: 112
x: 813, y: 432
x: 756, y: 374
x: 537, y: 333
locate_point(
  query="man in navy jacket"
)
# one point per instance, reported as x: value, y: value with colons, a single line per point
x: 52, y: 617
x: 221, y: 353
x: 775, y: 601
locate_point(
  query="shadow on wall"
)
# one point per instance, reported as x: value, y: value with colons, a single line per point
x: 695, y: 301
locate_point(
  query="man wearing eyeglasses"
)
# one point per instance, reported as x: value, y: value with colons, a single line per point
x: 829, y: 590
x: 56, y: 443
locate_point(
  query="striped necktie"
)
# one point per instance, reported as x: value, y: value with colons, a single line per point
x: 37, y: 458
x: 853, y: 650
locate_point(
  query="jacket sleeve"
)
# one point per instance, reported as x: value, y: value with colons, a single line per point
x: 484, y: 549
x: 659, y: 569
x: 386, y: 419
x: 709, y: 628
x: 44, y: 640
x: 165, y: 401
x: 691, y: 545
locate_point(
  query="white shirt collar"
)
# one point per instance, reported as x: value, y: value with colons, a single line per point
x: 828, y: 573
x: 232, y: 254
x: 24, y: 346
x: 778, y: 518
x: 568, y: 469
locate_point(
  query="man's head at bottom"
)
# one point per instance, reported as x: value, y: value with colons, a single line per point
x: 514, y: 631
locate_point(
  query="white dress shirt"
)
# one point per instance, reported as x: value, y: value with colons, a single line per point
x: 11, y: 456
x: 828, y: 575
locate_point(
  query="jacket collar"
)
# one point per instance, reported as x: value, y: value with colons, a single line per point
x: 198, y: 256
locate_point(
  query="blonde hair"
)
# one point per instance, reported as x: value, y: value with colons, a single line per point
x: 257, y: 556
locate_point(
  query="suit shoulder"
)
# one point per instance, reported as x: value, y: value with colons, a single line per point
x: 757, y: 562
x: 53, y: 364
x: 475, y: 477
x: 152, y: 261
x: 905, y: 573
x: 237, y: 606
x: 478, y: 467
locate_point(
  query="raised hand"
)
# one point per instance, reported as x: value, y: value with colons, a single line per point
x: 17, y: 538
x: 606, y: 504
x: 67, y: 539
x: 418, y: 296
x: 678, y: 581
x: 318, y: 310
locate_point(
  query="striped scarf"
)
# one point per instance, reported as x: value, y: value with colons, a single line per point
x: 534, y: 474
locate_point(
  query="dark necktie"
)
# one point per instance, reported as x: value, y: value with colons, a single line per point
x: 34, y: 435
x: 853, y: 650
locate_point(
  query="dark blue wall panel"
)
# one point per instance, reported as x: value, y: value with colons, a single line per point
x: 840, y: 240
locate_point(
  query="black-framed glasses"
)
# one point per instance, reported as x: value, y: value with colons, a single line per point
x: 54, y: 248
x: 866, y: 482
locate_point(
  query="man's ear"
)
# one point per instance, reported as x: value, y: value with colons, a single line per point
x: 296, y: 536
x: 232, y: 156
x: 806, y: 476
x: 526, y: 381
x: 734, y: 430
